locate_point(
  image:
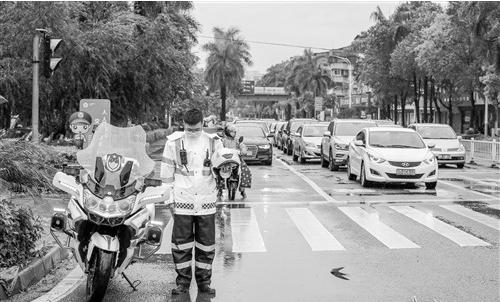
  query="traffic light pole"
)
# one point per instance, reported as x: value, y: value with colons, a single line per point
x: 35, y: 96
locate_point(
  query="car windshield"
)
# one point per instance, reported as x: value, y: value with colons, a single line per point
x: 250, y: 132
x: 314, y: 131
x: 263, y: 125
x: 295, y: 125
x: 350, y: 129
x: 436, y: 132
x: 395, y: 139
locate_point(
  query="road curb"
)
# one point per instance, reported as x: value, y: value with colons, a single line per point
x: 64, y: 288
x: 34, y: 272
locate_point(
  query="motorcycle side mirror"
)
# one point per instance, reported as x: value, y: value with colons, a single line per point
x: 240, y: 139
x: 125, y: 174
x: 71, y: 170
x: 99, y: 169
x: 152, y: 182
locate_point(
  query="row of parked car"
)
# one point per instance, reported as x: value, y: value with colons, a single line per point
x: 372, y: 150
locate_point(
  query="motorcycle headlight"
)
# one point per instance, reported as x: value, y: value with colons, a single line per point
x: 340, y: 146
x: 90, y: 201
x: 126, y: 205
x: 264, y: 146
x: 376, y: 159
x: 430, y: 159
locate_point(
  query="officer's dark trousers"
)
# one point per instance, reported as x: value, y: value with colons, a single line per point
x: 198, y: 232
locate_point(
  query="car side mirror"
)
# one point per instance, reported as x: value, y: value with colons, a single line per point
x: 297, y: 134
x: 431, y: 146
x: 459, y: 137
x: 359, y: 143
x: 240, y: 139
x: 327, y: 134
x: 270, y: 135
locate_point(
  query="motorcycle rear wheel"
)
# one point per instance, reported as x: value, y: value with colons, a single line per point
x: 100, y: 268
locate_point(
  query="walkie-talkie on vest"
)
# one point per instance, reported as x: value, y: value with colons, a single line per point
x: 207, y: 162
x: 183, y: 156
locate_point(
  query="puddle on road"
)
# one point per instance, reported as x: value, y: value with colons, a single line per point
x: 467, y: 230
x: 481, y: 207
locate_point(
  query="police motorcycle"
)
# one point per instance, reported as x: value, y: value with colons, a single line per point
x: 226, y: 165
x: 109, y: 217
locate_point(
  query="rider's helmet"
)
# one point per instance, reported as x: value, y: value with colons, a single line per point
x: 230, y: 130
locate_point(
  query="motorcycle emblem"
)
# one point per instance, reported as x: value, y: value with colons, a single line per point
x: 113, y: 162
x: 405, y: 164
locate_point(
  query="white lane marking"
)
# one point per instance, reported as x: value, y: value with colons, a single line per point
x: 481, y: 218
x: 65, y: 287
x: 314, y: 232
x: 372, y: 224
x: 492, y: 180
x: 281, y: 190
x: 458, y: 236
x: 478, y: 181
x: 465, y: 189
x: 308, y: 181
x: 494, y: 206
x: 351, y: 201
x: 166, y: 245
x: 245, y: 231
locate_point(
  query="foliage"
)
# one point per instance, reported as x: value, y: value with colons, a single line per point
x: 276, y: 75
x: 227, y: 56
x: 19, y: 232
x: 140, y: 62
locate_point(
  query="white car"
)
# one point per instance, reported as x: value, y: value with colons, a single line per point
x: 448, y: 149
x: 307, y: 142
x: 393, y: 155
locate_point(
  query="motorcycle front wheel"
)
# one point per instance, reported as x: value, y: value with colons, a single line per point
x: 100, y: 268
x: 231, y: 190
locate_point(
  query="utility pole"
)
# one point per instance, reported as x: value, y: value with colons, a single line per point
x: 36, y: 69
x: 486, y: 114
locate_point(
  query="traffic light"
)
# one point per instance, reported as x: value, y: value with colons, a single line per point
x: 49, y: 63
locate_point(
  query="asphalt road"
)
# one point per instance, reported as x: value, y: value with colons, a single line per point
x: 395, y: 243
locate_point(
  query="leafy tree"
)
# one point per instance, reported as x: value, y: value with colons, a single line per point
x: 228, y: 54
x: 276, y: 75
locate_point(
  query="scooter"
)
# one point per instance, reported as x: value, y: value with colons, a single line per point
x: 226, y: 164
x: 109, y: 217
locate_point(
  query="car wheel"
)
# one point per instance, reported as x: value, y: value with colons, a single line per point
x: 350, y: 176
x: 331, y: 163
x: 430, y: 185
x: 268, y: 162
x: 302, y: 160
x: 364, y: 182
x: 289, y: 149
x: 460, y: 166
x: 294, y: 156
x: 283, y: 148
x: 324, y: 163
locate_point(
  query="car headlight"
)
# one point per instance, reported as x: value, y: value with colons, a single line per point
x: 340, y: 146
x: 264, y: 146
x: 430, y: 159
x: 461, y: 148
x: 376, y: 159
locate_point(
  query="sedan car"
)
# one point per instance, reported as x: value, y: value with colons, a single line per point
x: 290, y: 129
x: 447, y: 147
x: 263, y: 124
x: 259, y: 148
x: 392, y: 155
x: 307, y: 142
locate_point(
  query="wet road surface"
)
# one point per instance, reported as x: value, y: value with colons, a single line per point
x: 396, y: 243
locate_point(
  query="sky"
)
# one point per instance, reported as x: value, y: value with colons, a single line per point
x: 309, y: 24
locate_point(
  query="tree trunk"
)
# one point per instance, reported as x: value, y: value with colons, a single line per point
x: 425, y: 100
x: 403, y: 105
x: 432, y: 100
x: 395, y: 108
x: 438, y: 109
x: 388, y: 110
x: 416, y: 98
x: 223, y: 100
x: 473, y: 123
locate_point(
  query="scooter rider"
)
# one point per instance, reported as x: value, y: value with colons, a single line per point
x: 230, y: 142
x: 186, y: 165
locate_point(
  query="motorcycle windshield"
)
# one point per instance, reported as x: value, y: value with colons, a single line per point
x: 116, y: 157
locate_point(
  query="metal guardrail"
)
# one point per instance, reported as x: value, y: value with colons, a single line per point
x: 484, y: 150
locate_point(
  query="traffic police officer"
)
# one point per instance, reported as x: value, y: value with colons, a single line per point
x: 186, y: 165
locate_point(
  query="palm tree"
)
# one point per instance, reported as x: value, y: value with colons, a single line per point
x: 228, y: 54
x: 307, y: 77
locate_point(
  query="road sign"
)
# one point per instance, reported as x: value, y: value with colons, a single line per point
x: 99, y: 110
x: 247, y: 87
x: 318, y: 103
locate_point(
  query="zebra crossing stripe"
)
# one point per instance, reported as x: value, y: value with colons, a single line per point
x: 481, y: 218
x: 494, y: 206
x: 245, y: 231
x: 314, y: 232
x: 166, y: 245
x: 458, y: 236
x: 372, y: 224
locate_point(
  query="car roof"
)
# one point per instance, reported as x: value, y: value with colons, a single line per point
x: 353, y: 121
x: 430, y: 124
x: 316, y: 124
x: 395, y: 129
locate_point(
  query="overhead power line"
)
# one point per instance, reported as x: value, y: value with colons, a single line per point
x: 270, y: 43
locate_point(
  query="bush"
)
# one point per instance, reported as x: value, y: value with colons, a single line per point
x: 19, y: 232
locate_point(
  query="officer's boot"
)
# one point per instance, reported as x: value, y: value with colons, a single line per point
x: 180, y: 289
x: 206, y: 289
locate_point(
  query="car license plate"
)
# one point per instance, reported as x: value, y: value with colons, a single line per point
x: 250, y: 153
x: 445, y: 156
x: 405, y: 171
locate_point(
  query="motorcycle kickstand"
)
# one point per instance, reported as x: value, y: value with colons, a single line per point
x: 134, y: 284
